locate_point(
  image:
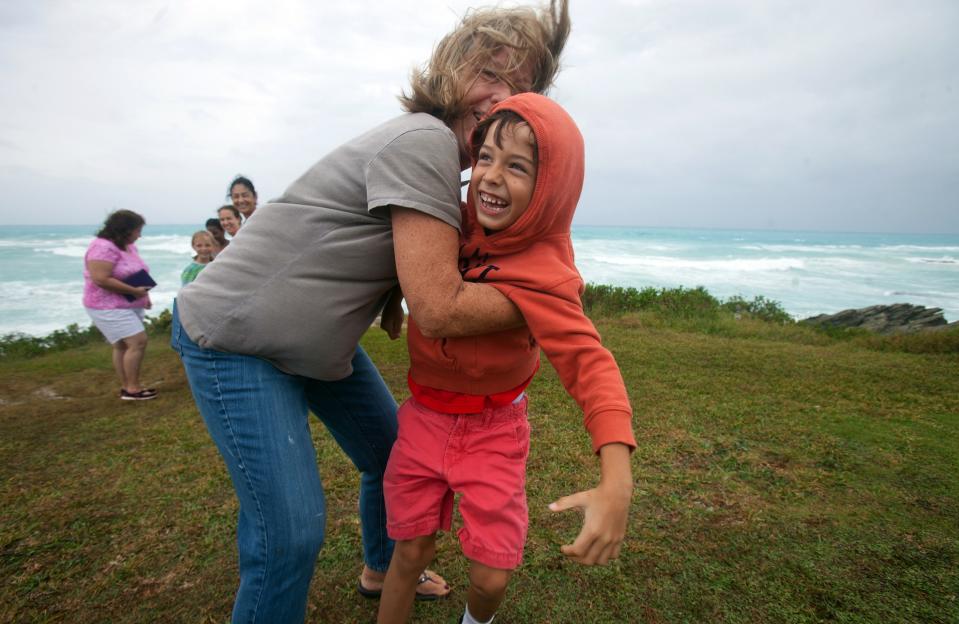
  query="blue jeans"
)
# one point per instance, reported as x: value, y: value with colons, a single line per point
x: 258, y: 417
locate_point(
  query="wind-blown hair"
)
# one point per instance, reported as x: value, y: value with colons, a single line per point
x: 119, y: 226
x: 535, y: 39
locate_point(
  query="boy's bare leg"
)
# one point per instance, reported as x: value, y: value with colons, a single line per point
x: 487, y: 590
x: 410, y: 558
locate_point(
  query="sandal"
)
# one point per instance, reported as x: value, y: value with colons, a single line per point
x: 143, y: 395
x: 424, y: 578
x: 142, y: 390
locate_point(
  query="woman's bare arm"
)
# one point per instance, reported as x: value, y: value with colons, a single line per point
x: 427, y: 255
x: 101, y: 273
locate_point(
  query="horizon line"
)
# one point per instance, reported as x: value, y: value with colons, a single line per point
x: 575, y: 225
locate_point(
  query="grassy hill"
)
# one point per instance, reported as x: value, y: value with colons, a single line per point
x: 782, y: 475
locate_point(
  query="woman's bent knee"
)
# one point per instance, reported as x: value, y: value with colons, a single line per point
x: 299, y: 547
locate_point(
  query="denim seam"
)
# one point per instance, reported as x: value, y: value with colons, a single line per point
x: 241, y: 465
x: 381, y: 511
x: 175, y: 339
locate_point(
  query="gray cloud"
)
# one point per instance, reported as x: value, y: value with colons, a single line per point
x: 813, y: 115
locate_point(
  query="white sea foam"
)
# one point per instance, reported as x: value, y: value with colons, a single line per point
x: 43, y: 245
x: 178, y: 245
x: 941, y: 260
x: 928, y: 293
x: 40, y: 307
x: 922, y: 248
x: 739, y: 265
x: 814, y: 249
x: 31, y: 243
x: 69, y: 251
x: 77, y: 247
x: 809, y: 275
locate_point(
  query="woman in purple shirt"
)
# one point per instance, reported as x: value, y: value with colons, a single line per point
x: 111, y: 258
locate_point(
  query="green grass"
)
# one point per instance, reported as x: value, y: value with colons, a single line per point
x: 783, y: 475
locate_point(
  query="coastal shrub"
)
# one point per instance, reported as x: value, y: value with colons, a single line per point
x: 159, y: 325
x: 610, y: 299
x: 685, y: 303
x: 760, y: 308
x: 19, y: 345
x: 603, y: 299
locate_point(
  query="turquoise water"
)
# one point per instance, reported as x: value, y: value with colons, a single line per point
x: 41, y: 283
x: 808, y: 272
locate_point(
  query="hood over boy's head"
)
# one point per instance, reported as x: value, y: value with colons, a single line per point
x: 559, y: 154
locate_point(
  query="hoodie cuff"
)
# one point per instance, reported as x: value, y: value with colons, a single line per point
x: 610, y: 426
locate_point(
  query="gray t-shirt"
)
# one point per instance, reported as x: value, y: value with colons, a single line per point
x: 305, y: 277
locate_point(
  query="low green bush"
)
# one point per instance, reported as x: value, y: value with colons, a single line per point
x: 684, y: 303
x: 159, y: 325
x: 759, y: 308
x: 603, y: 299
x: 19, y: 345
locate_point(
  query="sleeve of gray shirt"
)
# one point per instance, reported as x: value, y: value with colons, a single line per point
x: 419, y: 169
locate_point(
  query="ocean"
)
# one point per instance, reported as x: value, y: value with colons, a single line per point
x: 809, y: 273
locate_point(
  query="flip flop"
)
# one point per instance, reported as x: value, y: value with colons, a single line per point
x: 376, y: 593
x: 368, y: 593
x: 142, y: 395
x: 426, y: 578
x: 144, y: 391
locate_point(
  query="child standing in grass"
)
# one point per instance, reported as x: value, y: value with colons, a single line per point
x: 465, y: 429
x: 206, y: 248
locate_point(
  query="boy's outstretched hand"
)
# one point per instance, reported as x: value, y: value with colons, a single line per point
x: 605, y: 508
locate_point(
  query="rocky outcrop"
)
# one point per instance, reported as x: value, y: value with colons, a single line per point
x: 899, y: 318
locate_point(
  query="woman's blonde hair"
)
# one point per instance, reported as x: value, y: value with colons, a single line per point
x: 534, y: 38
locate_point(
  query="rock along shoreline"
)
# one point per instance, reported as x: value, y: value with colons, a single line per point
x: 897, y: 318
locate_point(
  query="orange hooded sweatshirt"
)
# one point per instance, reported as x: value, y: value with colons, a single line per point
x: 531, y: 263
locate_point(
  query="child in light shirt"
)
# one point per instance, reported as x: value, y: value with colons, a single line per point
x: 206, y: 248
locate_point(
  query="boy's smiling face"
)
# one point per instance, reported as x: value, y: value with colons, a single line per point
x: 504, y: 175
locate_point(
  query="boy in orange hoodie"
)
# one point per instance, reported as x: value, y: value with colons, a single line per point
x: 465, y: 429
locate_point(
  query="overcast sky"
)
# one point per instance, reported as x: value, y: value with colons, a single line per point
x: 783, y: 114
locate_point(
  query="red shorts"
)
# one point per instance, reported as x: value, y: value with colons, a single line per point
x: 481, y: 457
